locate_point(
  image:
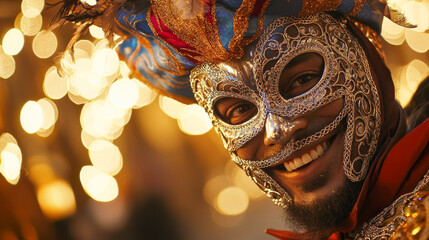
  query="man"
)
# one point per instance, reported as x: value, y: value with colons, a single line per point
x: 301, y: 97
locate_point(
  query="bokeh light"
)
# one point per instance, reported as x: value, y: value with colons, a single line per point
x: 31, y: 26
x: 13, y: 41
x: 417, y: 41
x: 101, y: 119
x: 98, y: 185
x: 124, y: 69
x: 105, y: 62
x: 417, y: 13
x: 6, y: 138
x: 7, y: 64
x: 32, y: 8
x: 392, y: 33
x: 56, y: 199
x: 41, y: 172
x: 96, y: 32
x: 50, y: 113
x: 31, y: 117
x: 85, y: 82
x: 17, y: 22
x: 410, y: 77
x: 213, y: 187
x: 194, y: 120
x: 171, y: 107
x: 232, y: 201
x: 90, y: 2
x: 54, y: 86
x: 11, y: 160
x: 123, y: 93
x: 85, y: 45
x: 241, y: 179
x: 45, y: 44
x: 146, y: 95
x: 105, y: 156
x: 86, y: 139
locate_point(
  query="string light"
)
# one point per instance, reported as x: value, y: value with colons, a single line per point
x: 232, y: 201
x: 417, y: 41
x: 146, y: 95
x: 171, y: 107
x: 50, y: 114
x: 96, y: 32
x: 32, y: 8
x: 105, y: 62
x: 105, y: 156
x: 11, y: 160
x: 31, y: 26
x: 194, y: 120
x: 54, y: 86
x: 123, y: 93
x: 98, y: 185
x: 45, y: 44
x: 13, y: 41
x: 7, y: 64
x: 31, y: 117
x: 56, y: 199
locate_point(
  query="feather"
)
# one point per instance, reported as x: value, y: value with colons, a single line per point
x: 191, y: 8
x: 399, y: 18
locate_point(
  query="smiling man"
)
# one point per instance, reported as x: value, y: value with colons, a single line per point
x: 301, y: 97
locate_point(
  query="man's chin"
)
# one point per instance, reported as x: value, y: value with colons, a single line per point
x: 320, y: 217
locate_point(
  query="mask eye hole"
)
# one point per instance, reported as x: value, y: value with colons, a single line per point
x: 234, y: 111
x: 301, y: 74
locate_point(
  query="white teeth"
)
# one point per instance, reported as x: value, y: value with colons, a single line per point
x: 298, y: 162
x: 314, y: 154
x: 319, y: 150
x: 306, y: 157
x: 292, y: 164
x: 287, y: 166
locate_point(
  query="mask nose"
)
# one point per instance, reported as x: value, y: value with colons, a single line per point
x: 280, y: 130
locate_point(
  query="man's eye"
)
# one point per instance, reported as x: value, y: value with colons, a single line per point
x: 305, y: 79
x: 301, y: 74
x: 235, y: 111
x: 240, y: 113
x: 302, y: 84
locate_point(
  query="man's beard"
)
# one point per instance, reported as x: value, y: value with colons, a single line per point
x: 320, y: 217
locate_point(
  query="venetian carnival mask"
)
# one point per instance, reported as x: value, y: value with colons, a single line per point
x: 346, y: 76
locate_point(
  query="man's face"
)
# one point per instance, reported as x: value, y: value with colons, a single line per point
x: 312, y: 175
x: 301, y: 117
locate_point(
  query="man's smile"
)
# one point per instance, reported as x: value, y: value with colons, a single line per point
x: 306, y: 158
x: 310, y: 162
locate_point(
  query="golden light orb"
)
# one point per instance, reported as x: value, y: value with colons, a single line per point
x: 194, y: 120
x: 13, y: 41
x: 232, y: 201
x: 123, y: 93
x: 31, y: 117
x: 56, y: 199
x: 98, y: 185
x: 31, y: 26
x: 7, y: 64
x: 45, y: 44
x: 105, y: 156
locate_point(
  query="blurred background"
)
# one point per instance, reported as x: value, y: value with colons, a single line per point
x: 98, y: 155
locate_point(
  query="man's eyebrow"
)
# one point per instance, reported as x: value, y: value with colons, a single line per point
x: 300, y: 59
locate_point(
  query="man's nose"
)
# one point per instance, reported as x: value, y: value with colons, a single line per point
x: 280, y: 130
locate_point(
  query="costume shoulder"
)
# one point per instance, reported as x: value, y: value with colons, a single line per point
x: 405, y: 218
